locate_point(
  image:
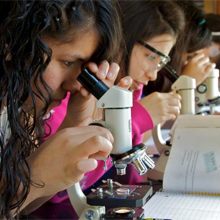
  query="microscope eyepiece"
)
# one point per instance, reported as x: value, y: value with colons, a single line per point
x: 92, y: 83
x: 170, y: 73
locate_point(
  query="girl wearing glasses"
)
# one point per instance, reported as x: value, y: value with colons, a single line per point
x: 188, y: 57
x: 150, y: 32
x: 194, y: 61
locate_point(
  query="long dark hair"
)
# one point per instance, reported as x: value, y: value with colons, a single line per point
x: 195, y: 36
x: 145, y: 19
x: 24, y: 57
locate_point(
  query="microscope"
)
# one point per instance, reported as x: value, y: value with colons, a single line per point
x: 185, y: 86
x: 200, y: 100
x: 126, y: 200
x: 207, y: 94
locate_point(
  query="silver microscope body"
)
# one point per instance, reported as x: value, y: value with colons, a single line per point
x: 116, y: 103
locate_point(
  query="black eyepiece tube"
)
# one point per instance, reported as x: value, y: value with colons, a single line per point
x: 169, y: 73
x: 92, y: 83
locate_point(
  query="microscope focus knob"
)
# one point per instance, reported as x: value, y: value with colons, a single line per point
x: 202, y: 88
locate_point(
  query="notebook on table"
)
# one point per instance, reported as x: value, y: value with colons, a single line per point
x: 191, y: 184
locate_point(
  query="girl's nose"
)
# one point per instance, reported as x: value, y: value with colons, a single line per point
x: 152, y: 75
x: 70, y: 82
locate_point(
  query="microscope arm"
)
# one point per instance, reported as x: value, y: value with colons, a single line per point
x: 80, y: 203
x: 158, y: 139
x: 83, y: 210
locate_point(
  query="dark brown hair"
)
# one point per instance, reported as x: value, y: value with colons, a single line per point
x: 24, y: 56
x: 195, y: 36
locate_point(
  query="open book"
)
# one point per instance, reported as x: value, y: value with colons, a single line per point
x: 191, y: 185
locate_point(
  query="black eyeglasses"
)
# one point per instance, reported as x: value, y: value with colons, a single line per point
x: 165, y: 59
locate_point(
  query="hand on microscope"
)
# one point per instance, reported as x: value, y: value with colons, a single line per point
x: 67, y: 156
x: 81, y: 103
x: 162, y: 106
x: 198, y: 67
x: 74, y: 149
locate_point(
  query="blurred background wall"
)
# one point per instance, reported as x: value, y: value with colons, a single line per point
x: 209, y: 6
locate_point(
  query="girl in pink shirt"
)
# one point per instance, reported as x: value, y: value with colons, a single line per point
x: 150, y: 31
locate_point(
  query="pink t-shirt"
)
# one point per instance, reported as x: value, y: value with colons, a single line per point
x: 141, y: 119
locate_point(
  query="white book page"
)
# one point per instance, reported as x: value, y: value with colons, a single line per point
x: 194, y: 161
x: 182, y: 207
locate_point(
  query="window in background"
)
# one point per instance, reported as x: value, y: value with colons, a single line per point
x: 209, y: 6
